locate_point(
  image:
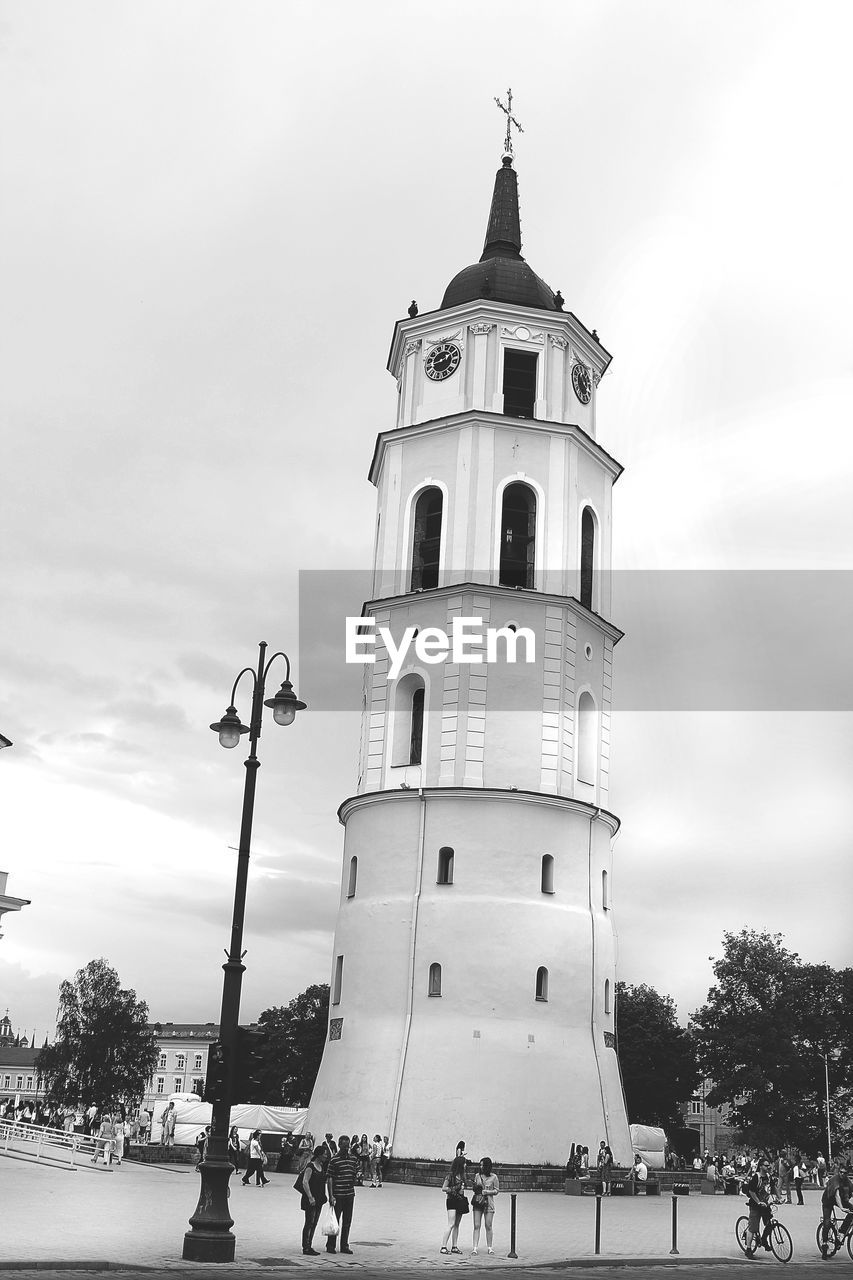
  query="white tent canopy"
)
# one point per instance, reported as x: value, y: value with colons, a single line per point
x: 192, y: 1115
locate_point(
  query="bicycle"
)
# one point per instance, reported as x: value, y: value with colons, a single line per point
x: 834, y: 1238
x: 778, y: 1237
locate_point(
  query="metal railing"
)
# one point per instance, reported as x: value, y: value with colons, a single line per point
x: 37, y: 1142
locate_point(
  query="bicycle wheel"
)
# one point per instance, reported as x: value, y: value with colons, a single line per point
x: 832, y: 1240
x: 781, y: 1242
x: 850, y: 1244
x: 741, y: 1228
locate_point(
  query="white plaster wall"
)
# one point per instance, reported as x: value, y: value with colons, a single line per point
x: 518, y: 1098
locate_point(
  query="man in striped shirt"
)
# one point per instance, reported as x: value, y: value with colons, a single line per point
x: 340, y: 1180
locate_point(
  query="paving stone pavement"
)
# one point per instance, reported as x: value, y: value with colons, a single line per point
x: 136, y: 1215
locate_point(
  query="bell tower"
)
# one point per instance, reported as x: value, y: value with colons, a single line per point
x: 473, y: 971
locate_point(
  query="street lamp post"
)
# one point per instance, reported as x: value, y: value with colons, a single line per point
x: 210, y: 1238
x: 825, y: 1057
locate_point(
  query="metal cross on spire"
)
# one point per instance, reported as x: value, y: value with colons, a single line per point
x: 510, y: 121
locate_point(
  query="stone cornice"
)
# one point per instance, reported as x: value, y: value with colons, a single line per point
x: 570, y: 430
x: 484, y: 588
x: 563, y: 323
x: 546, y: 799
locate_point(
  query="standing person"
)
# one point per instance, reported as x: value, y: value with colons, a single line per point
x: 167, y: 1126
x: 376, y: 1161
x: 234, y: 1147
x: 386, y: 1155
x: 255, y: 1163
x: 456, y: 1202
x: 606, y: 1167
x: 340, y: 1182
x: 486, y: 1187
x: 312, y: 1181
x: 104, y: 1140
x: 798, y: 1169
x: 820, y: 1169
x: 364, y: 1153
x: 117, y: 1148
x: 91, y: 1117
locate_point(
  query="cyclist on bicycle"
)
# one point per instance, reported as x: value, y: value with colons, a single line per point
x: 836, y: 1194
x: 757, y: 1191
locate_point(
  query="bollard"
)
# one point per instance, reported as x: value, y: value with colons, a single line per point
x: 674, y: 1248
x: 512, y: 1253
x: 598, y: 1224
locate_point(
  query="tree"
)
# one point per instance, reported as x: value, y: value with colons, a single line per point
x: 761, y: 1036
x: 297, y: 1034
x: 105, y: 1051
x: 656, y: 1056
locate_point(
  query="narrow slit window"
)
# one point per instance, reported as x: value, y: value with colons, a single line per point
x: 518, y: 536
x: 519, y: 383
x: 353, y: 877
x: 339, y: 980
x: 547, y: 873
x: 416, y: 741
x: 426, y: 542
x: 605, y: 892
x: 445, y: 866
x: 587, y: 738
x: 542, y: 983
x: 435, y: 980
x: 587, y: 556
x: 606, y: 995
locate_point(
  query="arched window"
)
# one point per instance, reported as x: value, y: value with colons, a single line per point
x: 445, y: 866
x: 542, y: 983
x: 407, y: 747
x: 353, y: 876
x: 435, y: 980
x: 426, y: 542
x: 605, y: 896
x: 606, y: 995
x: 587, y: 556
x: 518, y: 536
x: 338, y: 982
x: 547, y: 873
x: 587, y: 737
x: 416, y: 737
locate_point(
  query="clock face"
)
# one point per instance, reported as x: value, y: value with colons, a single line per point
x: 582, y: 383
x: 443, y: 360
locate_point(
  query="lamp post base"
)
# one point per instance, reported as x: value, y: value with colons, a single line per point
x: 210, y: 1238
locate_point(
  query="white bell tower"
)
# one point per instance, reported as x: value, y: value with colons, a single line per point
x: 473, y: 972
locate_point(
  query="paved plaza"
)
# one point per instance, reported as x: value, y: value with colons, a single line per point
x: 136, y: 1215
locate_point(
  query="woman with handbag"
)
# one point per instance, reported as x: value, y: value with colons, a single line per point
x: 486, y: 1187
x: 456, y: 1204
x: 311, y: 1182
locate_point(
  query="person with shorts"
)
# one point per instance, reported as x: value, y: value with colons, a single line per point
x: 757, y: 1189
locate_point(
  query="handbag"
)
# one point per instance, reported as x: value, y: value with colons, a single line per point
x: 459, y: 1202
x: 328, y: 1221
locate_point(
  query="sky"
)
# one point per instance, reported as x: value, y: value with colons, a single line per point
x: 213, y: 215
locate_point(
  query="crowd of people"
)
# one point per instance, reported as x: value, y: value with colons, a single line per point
x: 112, y: 1128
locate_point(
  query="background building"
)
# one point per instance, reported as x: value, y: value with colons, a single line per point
x: 182, y: 1063
x: 8, y: 903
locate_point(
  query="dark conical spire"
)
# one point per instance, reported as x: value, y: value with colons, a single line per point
x: 501, y: 275
x: 503, y: 234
